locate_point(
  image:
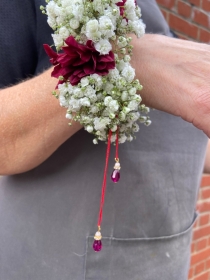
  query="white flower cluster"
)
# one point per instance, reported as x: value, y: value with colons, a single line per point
x: 98, y: 102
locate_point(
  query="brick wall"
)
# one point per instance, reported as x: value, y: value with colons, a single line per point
x: 190, y: 19
x: 200, y: 258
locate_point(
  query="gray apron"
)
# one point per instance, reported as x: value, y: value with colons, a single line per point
x: 48, y: 215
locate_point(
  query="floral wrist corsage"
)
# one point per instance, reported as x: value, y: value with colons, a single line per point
x: 96, y: 82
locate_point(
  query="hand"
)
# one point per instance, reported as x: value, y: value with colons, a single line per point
x: 175, y: 75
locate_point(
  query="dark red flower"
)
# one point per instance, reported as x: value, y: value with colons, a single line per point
x: 122, y: 8
x: 79, y: 61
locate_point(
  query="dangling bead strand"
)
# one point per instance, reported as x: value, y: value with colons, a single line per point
x: 116, y: 172
x: 97, y: 244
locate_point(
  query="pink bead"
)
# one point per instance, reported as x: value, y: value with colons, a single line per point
x: 115, y: 175
x: 97, y: 245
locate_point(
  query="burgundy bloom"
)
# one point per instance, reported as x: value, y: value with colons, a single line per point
x: 122, y: 9
x: 78, y: 61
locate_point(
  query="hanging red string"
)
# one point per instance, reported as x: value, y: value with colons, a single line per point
x: 104, y: 179
x: 117, y: 144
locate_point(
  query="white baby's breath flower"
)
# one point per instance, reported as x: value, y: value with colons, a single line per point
x: 138, y: 27
x: 108, y: 87
x: 78, y: 92
x: 51, y: 21
x: 133, y: 105
x: 64, y: 32
x: 124, y: 96
x: 101, y: 123
x: 74, y: 23
x: 58, y: 40
x: 89, y: 129
x: 97, y: 80
x: 106, y: 26
x: 84, y: 82
x: 132, y: 91
x: 94, y: 109
x: 135, y: 127
x: 69, y: 116
x: 114, y: 74
x: 66, y: 3
x: 78, y: 9
x: 148, y: 122
x: 103, y: 46
x: 114, y: 128
x: 107, y: 100
x: 98, y: 6
x: 75, y: 104
x: 122, y: 139
x: 129, y: 138
x: 95, y: 141
x: 50, y: 8
x: 121, y: 64
x: 127, y: 58
x: 85, y: 102
x: 122, y: 42
x: 113, y: 105
x: 128, y: 73
x: 92, y: 30
x: 63, y: 101
x: 122, y: 116
x: 134, y: 116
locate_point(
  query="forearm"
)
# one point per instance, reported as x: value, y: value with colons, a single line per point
x: 32, y: 124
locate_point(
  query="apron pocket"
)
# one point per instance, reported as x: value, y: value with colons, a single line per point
x: 156, y: 258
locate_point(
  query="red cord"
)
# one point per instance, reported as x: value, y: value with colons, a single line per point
x: 104, y: 179
x: 117, y: 144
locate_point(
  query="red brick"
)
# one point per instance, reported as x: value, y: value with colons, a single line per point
x: 195, y: 2
x: 193, y: 247
x: 208, y: 264
x: 166, y: 3
x: 196, y: 223
x: 204, y: 219
x: 201, y: 256
x: 191, y: 273
x: 165, y: 14
x: 202, y: 244
x: 204, y: 276
x: 201, y: 232
x: 206, y: 193
x: 199, y: 268
x: 205, y: 38
x: 183, y: 26
x: 184, y: 9
x: 206, y: 5
x: 201, y: 18
x: 205, y: 182
x: 204, y: 206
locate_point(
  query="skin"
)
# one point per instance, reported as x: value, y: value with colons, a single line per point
x: 176, y: 78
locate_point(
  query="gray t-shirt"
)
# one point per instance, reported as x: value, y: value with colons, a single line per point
x: 48, y: 215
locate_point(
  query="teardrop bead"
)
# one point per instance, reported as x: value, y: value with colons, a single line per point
x: 115, y: 175
x: 97, y: 245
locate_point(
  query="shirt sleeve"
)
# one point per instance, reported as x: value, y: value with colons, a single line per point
x: 43, y: 36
